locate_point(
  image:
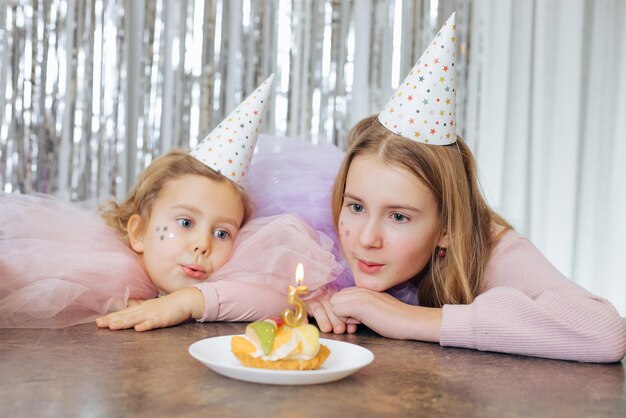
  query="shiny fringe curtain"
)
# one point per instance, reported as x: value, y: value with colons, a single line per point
x: 92, y: 91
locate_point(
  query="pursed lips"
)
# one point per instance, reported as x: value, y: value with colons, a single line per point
x: 195, y: 271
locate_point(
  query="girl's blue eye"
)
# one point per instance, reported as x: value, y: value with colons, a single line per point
x: 184, y: 222
x: 356, y: 208
x: 400, y: 218
x: 221, y: 234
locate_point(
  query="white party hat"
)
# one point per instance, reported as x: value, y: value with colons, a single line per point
x: 423, y: 107
x: 228, y: 148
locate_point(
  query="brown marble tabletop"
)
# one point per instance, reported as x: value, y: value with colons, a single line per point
x: 83, y: 371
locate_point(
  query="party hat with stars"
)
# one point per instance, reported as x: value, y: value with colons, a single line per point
x: 228, y: 148
x: 424, y: 106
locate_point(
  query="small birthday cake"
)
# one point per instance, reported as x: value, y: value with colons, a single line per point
x: 271, y: 344
x: 285, y: 343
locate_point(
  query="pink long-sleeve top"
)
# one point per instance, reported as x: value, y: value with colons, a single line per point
x: 527, y: 307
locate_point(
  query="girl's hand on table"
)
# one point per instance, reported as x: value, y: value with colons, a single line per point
x: 161, y: 312
x: 387, y: 315
x: 327, y: 321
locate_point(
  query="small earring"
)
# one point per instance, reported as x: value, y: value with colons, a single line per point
x: 442, y: 252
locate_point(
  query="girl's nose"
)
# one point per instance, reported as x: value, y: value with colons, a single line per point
x: 202, y: 246
x: 370, y: 236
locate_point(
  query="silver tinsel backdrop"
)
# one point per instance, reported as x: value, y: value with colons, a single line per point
x: 92, y: 91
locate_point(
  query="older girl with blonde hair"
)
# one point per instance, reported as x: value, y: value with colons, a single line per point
x: 409, y: 212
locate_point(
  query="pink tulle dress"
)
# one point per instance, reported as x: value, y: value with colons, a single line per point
x: 269, y: 248
x: 61, y: 265
x: 292, y: 175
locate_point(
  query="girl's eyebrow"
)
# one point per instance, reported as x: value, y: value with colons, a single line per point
x: 230, y: 221
x: 187, y: 207
x: 388, y: 207
x: 350, y: 196
x: 407, y: 208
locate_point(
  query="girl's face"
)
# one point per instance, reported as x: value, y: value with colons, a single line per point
x: 190, y: 232
x: 387, y: 224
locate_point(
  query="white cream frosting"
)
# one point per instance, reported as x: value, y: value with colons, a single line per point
x: 288, y: 351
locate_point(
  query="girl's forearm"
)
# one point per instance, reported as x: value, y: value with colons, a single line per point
x: 387, y: 315
x: 425, y: 323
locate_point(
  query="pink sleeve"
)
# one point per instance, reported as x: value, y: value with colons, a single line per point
x: 233, y: 300
x: 528, y: 307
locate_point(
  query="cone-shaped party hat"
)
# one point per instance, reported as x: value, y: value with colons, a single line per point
x: 423, y: 107
x: 228, y: 148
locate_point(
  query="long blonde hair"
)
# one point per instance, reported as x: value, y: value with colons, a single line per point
x: 170, y: 166
x: 450, y: 174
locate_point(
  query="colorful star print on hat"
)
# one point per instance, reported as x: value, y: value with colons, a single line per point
x: 423, y: 107
x: 228, y: 148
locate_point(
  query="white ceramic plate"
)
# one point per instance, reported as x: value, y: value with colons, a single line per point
x: 344, y: 359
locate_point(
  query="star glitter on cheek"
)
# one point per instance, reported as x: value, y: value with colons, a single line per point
x: 162, y: 235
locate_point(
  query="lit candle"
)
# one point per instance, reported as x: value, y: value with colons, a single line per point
x: 296, y: 317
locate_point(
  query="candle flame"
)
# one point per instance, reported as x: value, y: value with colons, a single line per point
x: 299, y: 274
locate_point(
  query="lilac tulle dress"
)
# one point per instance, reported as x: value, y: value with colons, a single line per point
x: 292, y: 175
x: 60, y: 265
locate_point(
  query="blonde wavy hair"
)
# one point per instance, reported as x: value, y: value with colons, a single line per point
x: 450, y: 174
x: 170, y: 166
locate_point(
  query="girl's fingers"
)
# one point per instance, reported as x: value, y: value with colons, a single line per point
x: 124, y: 320
x: 119, y: 324
x: 102, y: 322
x: 320, y: 315
x: 338, y: 324
x: 146, y: 325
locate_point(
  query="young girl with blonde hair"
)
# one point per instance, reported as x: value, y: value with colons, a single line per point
x: 62, y: 265
x: 173, y: 237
